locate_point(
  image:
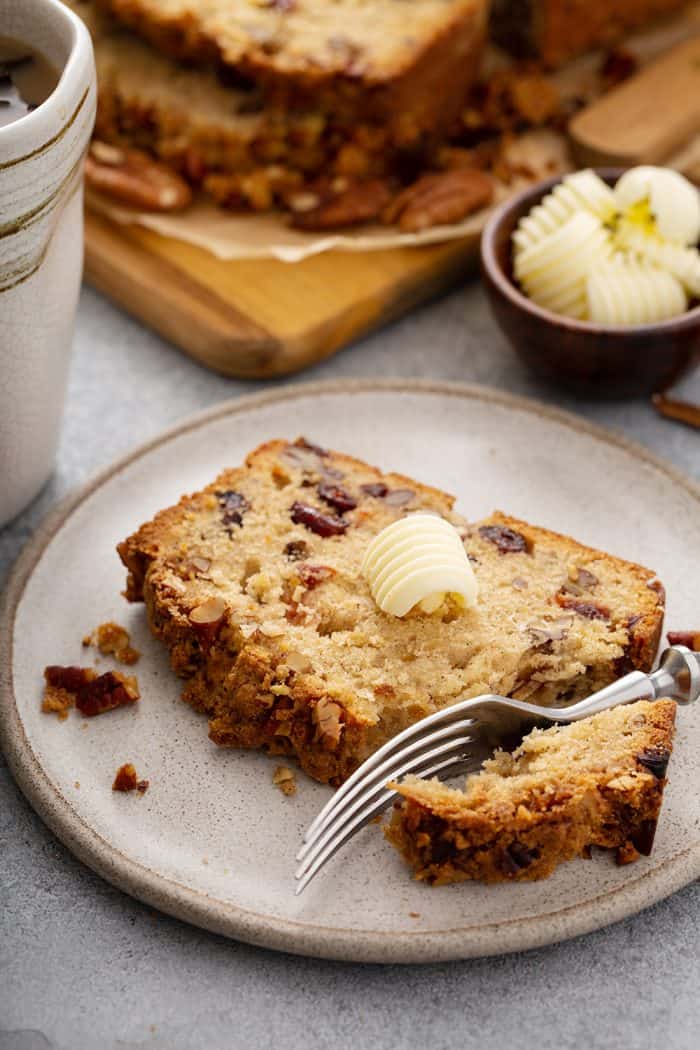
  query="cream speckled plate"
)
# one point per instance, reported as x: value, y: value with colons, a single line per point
x: 213, y: 841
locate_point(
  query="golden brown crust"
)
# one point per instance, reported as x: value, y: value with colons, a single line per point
x: 410, y: 69
x: 447, y: 836
x: 289, y: 654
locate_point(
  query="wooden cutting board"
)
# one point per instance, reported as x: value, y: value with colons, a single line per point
x: 260, y: 318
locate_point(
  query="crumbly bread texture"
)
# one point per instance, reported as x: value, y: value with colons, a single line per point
x: 254, y: 585
x: 555, y: 31
x: 409, y: 63
x: 598, y: 782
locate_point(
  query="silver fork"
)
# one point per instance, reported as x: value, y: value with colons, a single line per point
x: 457, y: 740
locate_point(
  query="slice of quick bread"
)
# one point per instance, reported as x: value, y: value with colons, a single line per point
x: 598, y: 782
x: 407, y: 64
x: 254, y: 584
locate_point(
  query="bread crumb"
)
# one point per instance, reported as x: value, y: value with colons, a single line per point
x: 285, y: 779
x: 77, y: 785
x: 83, y: 688
x: 414, y: 914
x: 113, y: 640
x: 57, y: 702
x: 127, y: 780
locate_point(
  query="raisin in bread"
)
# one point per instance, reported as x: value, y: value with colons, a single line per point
x: 408, y: 64
x: 254, y: 585
x: 598, y: 782
x: 556, y: 30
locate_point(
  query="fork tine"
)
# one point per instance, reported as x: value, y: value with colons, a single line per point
x: 447, y: 767
x: 444, y: 716
x: 448, y: 749
x: 378, y: 775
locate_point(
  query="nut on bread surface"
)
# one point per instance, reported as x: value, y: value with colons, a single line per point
x: 598, y: 782
x: 254, y: 585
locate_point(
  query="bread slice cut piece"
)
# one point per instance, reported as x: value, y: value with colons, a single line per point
x: 254, y: 585
x: 205, y: 129
x: 407, y: 64
x: 597, y: 782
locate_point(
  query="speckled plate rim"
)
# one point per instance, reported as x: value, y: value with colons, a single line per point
x: 303, y: 938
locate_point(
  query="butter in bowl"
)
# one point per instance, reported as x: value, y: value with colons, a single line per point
x: 595, y: 278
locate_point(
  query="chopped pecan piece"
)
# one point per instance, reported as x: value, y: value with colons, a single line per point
x: 360, y: 202
x: 507, y: 540
x: 326, y: 715
x: 312, y: 575
x: 316, y: 521
x: 113, y: 640
x: 627, y: 854
x: 689, y: 638
x: 126, y: 778
x: 440, y: 199
x: 135, y: 179
x: 285, y: 779
x: 105, y: 693
x: 589, y: 609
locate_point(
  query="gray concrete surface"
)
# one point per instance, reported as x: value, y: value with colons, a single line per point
x: 83, y: 966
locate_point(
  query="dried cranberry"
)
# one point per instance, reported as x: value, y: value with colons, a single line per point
x: 377, y: 489
x: 655, y: 759
x: 516, y: 857
x: 316, y: 521
x: 296, y: 550
x: 507, y: 540
x: 104, y: 694
x: 336, y: 497
x: 589, y: 610
x: 233, y: 505
x: 312, y: 575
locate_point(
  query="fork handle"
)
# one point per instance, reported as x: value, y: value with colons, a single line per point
x: 677, y: 677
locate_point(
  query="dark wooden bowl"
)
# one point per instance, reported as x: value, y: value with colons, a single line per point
x: 587, y: 359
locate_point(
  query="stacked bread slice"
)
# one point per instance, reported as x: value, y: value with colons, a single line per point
x: 255, y: 99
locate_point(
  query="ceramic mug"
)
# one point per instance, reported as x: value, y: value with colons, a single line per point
x: 41, y: 246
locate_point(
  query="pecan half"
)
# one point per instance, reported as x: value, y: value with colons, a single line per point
x: 133, y: 178
x: 440, y: 199
x: 360, y: 202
